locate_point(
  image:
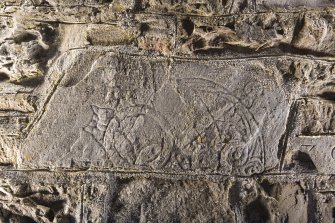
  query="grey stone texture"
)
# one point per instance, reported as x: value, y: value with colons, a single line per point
x: 167, y: 111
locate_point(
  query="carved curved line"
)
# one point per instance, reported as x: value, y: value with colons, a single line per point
x: 212, y: 86
x: 216, y: 87
x: 241, y: 114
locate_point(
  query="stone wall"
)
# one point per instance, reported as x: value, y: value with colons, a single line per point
x: 167, y: 111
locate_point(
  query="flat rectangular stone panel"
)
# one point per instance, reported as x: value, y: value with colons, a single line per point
x: 222, y: 117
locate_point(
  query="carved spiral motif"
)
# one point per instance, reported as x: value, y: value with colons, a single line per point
x: 144, y: 138
x: 239, y: 129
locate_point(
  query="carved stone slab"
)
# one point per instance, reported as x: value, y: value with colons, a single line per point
x: 182, y: 115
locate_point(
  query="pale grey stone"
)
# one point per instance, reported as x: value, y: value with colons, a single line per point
x: 176, y: 115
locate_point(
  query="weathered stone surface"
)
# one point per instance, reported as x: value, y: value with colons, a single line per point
x: 111, y: 197
x: 39, y: 198
x: 167, y: 111
x: 312, y: 153
x: 180, y: 115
